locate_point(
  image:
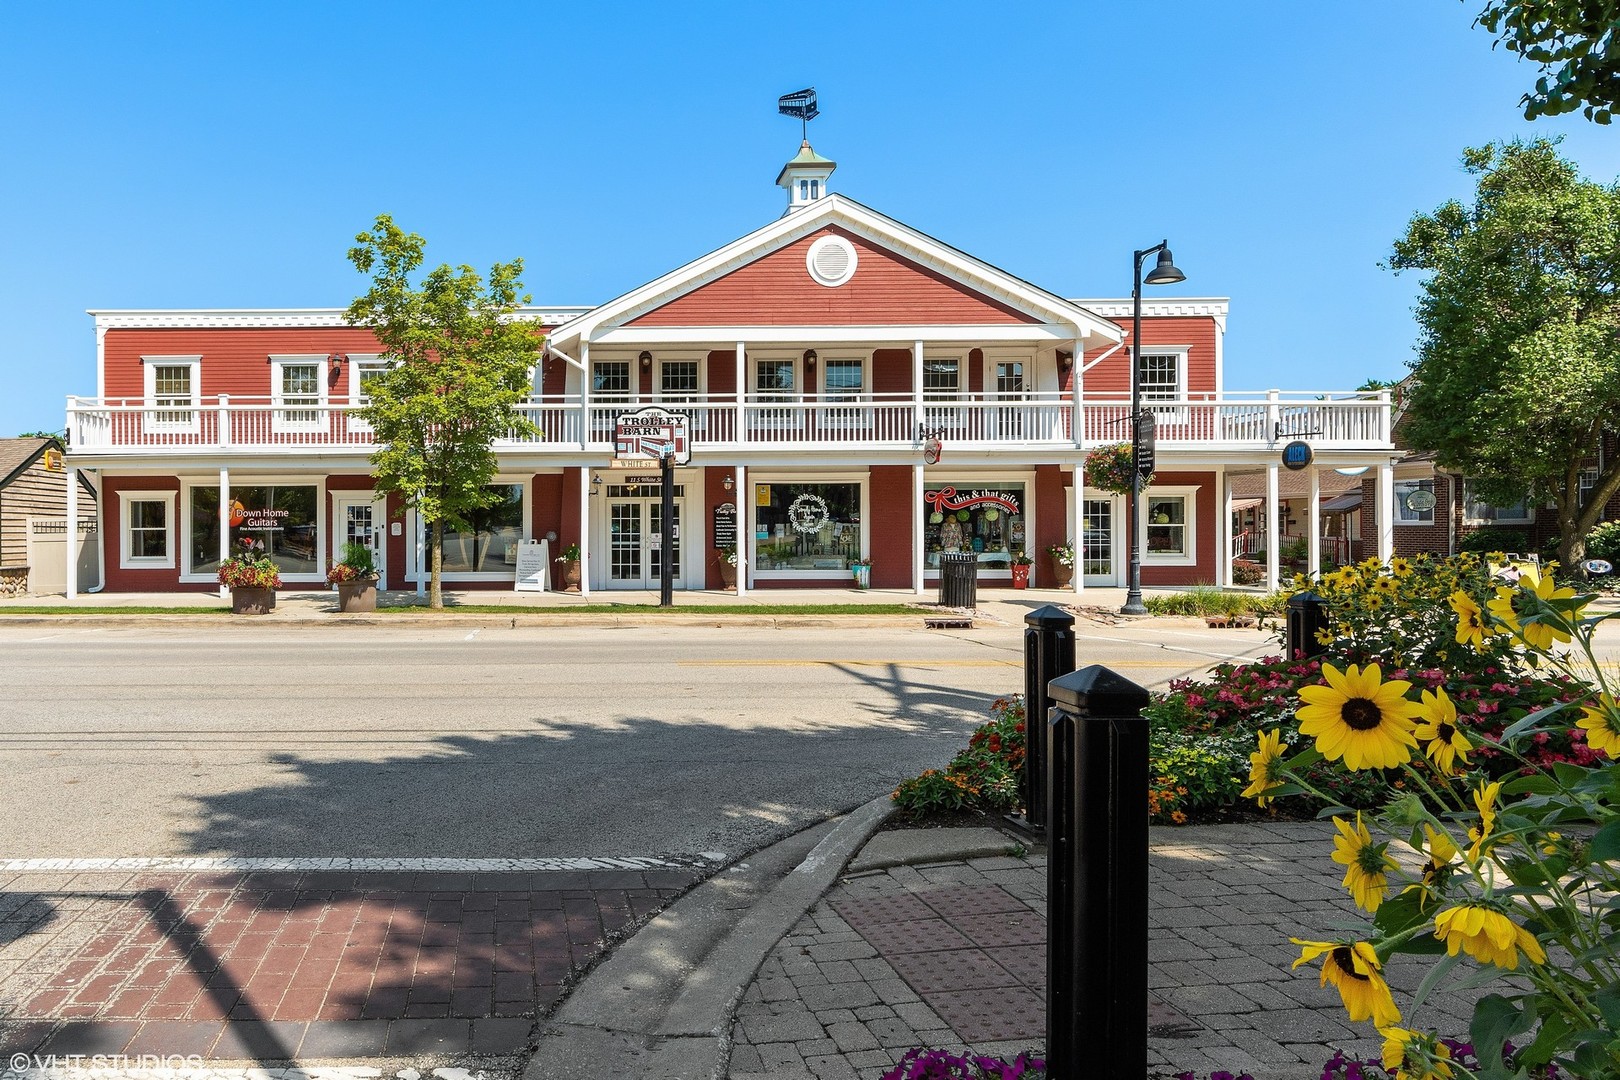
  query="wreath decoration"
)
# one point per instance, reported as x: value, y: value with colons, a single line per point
x: 808, y: 513
x: 1108, y: 468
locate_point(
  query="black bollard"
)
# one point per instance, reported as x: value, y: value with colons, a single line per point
x: 1097, y: 878
x: 1048, y: 654
x: 1307, y: 616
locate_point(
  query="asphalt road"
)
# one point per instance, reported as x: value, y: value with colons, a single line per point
x: 373, y: 742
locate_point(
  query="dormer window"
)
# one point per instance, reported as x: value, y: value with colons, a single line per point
x: 804, y: 190
x: 815, y: 189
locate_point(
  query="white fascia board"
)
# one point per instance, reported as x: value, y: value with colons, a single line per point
x: 869, y: 225
x: 900, y: 336
x: 270, y: 318
x: 1169, y: 307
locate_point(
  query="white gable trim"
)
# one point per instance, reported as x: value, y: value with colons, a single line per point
x: 865, y: 223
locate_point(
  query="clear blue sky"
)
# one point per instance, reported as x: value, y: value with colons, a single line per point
x: 196, y: 156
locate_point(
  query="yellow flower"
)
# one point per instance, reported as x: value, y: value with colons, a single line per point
x: 1437, y: 729
x: 1359, y: 718
x: 1487, y: 935
x: 1472, y: 628
x: 1354, y: 970
x: 1533, y: 586
x: 1485, y: 803
x: 1365, y: 863
x: 1400, y: 566
x: 1386, y: 586
x: 1602, y: 725
x: 1413, y: 1056
x: 1437, y: 871
x: 1264, y: 765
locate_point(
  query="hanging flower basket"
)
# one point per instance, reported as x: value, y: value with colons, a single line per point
x: 1108, y: 468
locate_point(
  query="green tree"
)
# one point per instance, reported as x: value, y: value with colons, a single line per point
x: 1577, y: 45
x: 458, y: 366
x: 1518, y: 365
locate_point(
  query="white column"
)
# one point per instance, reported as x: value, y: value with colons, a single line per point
x: 1076, y: 415
x: 585, y: 531
x: 1077, y: 523
x: 745, y: 529
x: 919, y: 417
x: 1384, y: 511
x: 919, y: 485
x: 73, y: 532
x: 585, y: 394
x: 421, y: 554
x: 224, y: 420
x: 1272, y: 531
x: 224, y: 521
x: 1313, y: 520
x: 1223, y: 507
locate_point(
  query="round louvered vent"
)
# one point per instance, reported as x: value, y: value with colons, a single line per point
x: 831, y: 260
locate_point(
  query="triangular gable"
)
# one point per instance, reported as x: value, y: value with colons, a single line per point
x: 777, y: 290
x: 953, y: 288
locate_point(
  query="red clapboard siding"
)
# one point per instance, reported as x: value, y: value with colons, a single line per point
x: 891, y: 371
x: 1205, y: 541
x: 234, y: 361
x: 777, y: 290
x: 893, y: 500
x: 112, y: 508
x: 1113, y: 375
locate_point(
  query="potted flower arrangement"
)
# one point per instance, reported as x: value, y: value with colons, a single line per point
x: 1063, y: 562
x: 570, y: 560
x: 861, y: 569
x: 1108, y: 468
x: 728, y: 566
x: 1020, y: 569
x: 355, y: 577
x: 252, y: 578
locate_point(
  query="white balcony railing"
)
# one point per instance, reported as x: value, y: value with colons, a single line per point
x: 873, y: 421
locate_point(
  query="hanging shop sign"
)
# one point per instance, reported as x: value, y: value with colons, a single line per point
x: 1420, y: 499
x: 947, y: 498
x: 1147, y: 442
x: 1297, y: 455
x: 725, y: 525
x: 650, y: 434
x: 931, y: 451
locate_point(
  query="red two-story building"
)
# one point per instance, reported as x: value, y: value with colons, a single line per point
x: 816, y: 359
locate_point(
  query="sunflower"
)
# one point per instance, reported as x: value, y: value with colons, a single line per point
x: 1437, y: 870
x: 1487, y: 935
x: 1602, y: 725
x: 1354, y: 970
x: 1410, y: 1055
x: 1400, y: 566
x: 1485, y: 803
x: 1264, y: 766
x: 1534, y: 590
x: 1365, y: 863
x: 1386, y: 587
x: 1359, y: 717
x: 1472, y: 627
x: 1437, y: 729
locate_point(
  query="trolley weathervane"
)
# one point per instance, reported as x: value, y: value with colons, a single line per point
x: 800, y: 103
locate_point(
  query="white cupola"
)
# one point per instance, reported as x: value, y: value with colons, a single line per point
x: 805, y: 177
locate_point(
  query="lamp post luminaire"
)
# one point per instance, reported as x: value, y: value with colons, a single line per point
x: 1164, y: 273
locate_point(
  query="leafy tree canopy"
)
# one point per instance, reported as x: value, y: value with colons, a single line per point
x: 1574, y: 42
x: 458, y: 368
x: 1518, y: 365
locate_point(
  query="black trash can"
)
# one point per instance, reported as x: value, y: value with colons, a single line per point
x: 958, y: 579
x: 1307, y: 617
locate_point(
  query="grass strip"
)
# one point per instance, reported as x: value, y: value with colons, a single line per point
x: 654, y: 609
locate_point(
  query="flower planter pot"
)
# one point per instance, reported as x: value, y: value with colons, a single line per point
x: 1064, y: 574
x: 1020, y: 576
x: 571, y: 575
x: 246, y: 600
x: 356, y: 596
x: 863, y: 576
x: 728, y: 575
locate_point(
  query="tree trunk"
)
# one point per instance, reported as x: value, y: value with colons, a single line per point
x: 436, y: 584
x: 1573, y: 525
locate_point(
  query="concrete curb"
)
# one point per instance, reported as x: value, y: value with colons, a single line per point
x: 661, y: 1006
x: 924, y: 847
x: 454, y: 622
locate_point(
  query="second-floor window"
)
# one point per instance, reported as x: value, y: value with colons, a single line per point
x: 942, y: 378
x: 1160, y: 376
x: 610, y: 380
x: 296, y: 389
x: 678, y: 381
x: 172, y: 393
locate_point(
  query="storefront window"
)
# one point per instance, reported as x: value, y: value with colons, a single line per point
x: 1167, y: 525
x: 986, y: 520
x: 490, y: 544
x: 280, y: 520
x: 806, y: 527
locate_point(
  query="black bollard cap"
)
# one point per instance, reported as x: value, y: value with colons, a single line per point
x: 1097, y: 691
x: 1308, y: 598
x: 1050, y: 617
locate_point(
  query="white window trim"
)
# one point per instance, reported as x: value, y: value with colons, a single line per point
x: 126, y: 561
x: 849, y: 410
x: 413, y: 571
x: 1189, y: 530
x: 862, y: 477
x: 947, y: 411
x: 1415, y: 485
x: 278, y: 418
x: 322, y: 541
x: 359, y: 362
x: 970, y: 481
x: 1469, y: 519
x: 152, y: 419
x: 696, y: 411
x: 1172, y: 414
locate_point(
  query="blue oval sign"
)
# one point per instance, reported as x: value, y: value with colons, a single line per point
x: 1597, y: 567
x: 1297, y: 455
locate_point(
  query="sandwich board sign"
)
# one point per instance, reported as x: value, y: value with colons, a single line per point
x: 533, y: 568
x: 649, y: 435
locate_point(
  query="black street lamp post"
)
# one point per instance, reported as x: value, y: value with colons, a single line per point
x: 1164, y: 273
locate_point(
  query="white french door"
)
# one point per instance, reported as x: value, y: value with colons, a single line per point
x: 636, y: 545
x: 360, y: 521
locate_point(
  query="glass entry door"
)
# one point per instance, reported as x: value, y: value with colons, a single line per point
x: 635, y: 539
x: 360, y: 521
x: 1097, y: 542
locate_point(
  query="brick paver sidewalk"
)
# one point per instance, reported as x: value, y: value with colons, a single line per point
x: 315, y: 965
x: 953, y: 956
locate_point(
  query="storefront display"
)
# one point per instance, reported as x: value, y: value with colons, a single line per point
x: 280, y: 520
x: 987, y: 520
x: 807, y: 527
x: 490, y: 543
